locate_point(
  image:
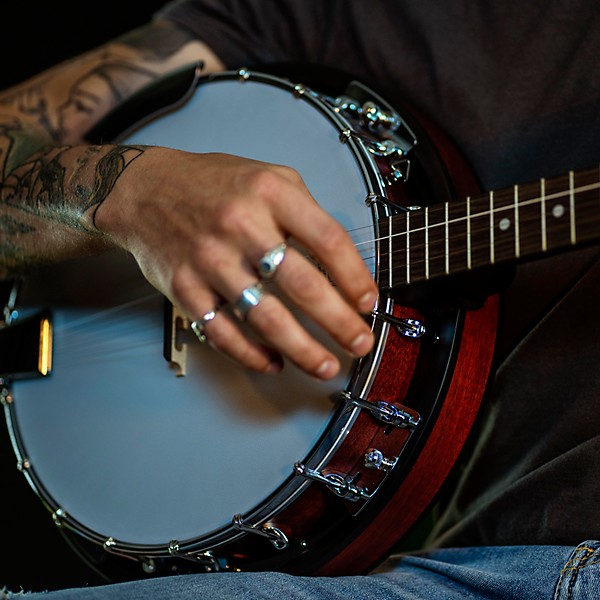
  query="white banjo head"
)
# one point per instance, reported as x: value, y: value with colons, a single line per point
x: 116, y: 440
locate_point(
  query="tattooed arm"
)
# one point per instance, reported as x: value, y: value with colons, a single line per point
x: 197, y: 224
x: 51, y: 184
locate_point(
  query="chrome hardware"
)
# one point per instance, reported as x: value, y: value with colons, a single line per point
x: 374, y: 459
x: 347, y: 105
x: 376, y: 117
x: 299, y: 90
x: 9, y: 314
x: 342, y: 486
x: 23, y: 465
x: 273, y: 534
x: 109, y: 544
x: 373, y: 198
x: 148, y: 566
x: 383, y: 411
x: 5, y: 397
x: 376, y: 147
x: 58, y: 517
x: 207, y: 559
x: 410, y: 328
x: 400, y: 170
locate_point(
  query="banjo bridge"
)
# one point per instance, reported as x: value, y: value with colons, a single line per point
x: 175, y: 348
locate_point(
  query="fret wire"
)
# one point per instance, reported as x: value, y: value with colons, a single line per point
x: 408, y: 247
x: 427, y: 242
x: 585, y: 188
x: 572, y: 205
x: 571, y: 192
x: 543, y: 214
x: 492, y: 254
x: 517, y: 240
x: 446, y: 239
x: 468, y: 232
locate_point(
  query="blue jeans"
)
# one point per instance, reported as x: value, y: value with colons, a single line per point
x: 515, y: 572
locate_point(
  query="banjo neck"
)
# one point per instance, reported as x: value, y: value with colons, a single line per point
x: 511, y: 224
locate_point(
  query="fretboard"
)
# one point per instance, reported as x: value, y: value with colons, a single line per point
x: 518, y: 223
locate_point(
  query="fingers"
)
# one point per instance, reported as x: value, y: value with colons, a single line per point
x: 329, y: 244
x: 265, y: 311
x: 201, y: 242
x: 213, y: 325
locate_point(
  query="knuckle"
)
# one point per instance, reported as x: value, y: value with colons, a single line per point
x: 332, y: 236
x: 181, y: 284
x: 263, y: 182
x: 232, y: 217
x: 218, y: 336
x: 269, y: 319
x: 289, y: 173
x: 308, y: 287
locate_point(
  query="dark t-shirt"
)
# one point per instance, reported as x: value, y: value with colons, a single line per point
x: 517, y: 87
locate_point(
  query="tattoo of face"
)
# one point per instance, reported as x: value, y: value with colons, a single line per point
x: 92, y: 95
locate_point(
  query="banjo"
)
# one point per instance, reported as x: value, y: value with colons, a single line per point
x: 155, y: 455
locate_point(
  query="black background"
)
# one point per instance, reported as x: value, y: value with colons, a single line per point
x: 35, y: 36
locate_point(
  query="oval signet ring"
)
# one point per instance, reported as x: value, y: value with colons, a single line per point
x: 267, y: 265
x: 249, y: 298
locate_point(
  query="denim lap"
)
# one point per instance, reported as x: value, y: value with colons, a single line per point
x: 501, y: 573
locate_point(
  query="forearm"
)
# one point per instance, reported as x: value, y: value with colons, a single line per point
x: 197, y: 224
x: 48, y: 203
x: 50, y: 184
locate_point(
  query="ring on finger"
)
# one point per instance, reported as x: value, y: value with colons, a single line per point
x: 270, y: 261
x: 249, y: 298
x: 198, y: 325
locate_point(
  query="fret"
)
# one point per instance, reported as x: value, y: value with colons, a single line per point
x: 436, y: 240
x: 502, y: 222
x: 446, y: 241
x: 516, y: 220
x: 523, y: 221
x: 543, y: 214
x: 572, y: 207
x: 469, y: 263
x: 480, y: 231
x: 456, y: 247
x: 560, y: 212
x: 426, y: 242
x: 417, y: 255
x: 530, y: 219
x: 390, y: 272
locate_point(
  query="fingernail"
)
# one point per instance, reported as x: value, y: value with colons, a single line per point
x: 367, y: 302
x: 273, y: 368
x: 361, y: 345
x: 327, y: 369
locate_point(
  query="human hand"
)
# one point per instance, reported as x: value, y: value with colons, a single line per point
x: 198, y: 224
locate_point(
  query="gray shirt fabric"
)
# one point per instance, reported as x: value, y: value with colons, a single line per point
x: 517, y: 86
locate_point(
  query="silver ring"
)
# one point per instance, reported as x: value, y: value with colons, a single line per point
x: 267, y: 265
x: 199, y: 325
x: 249, y: 298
